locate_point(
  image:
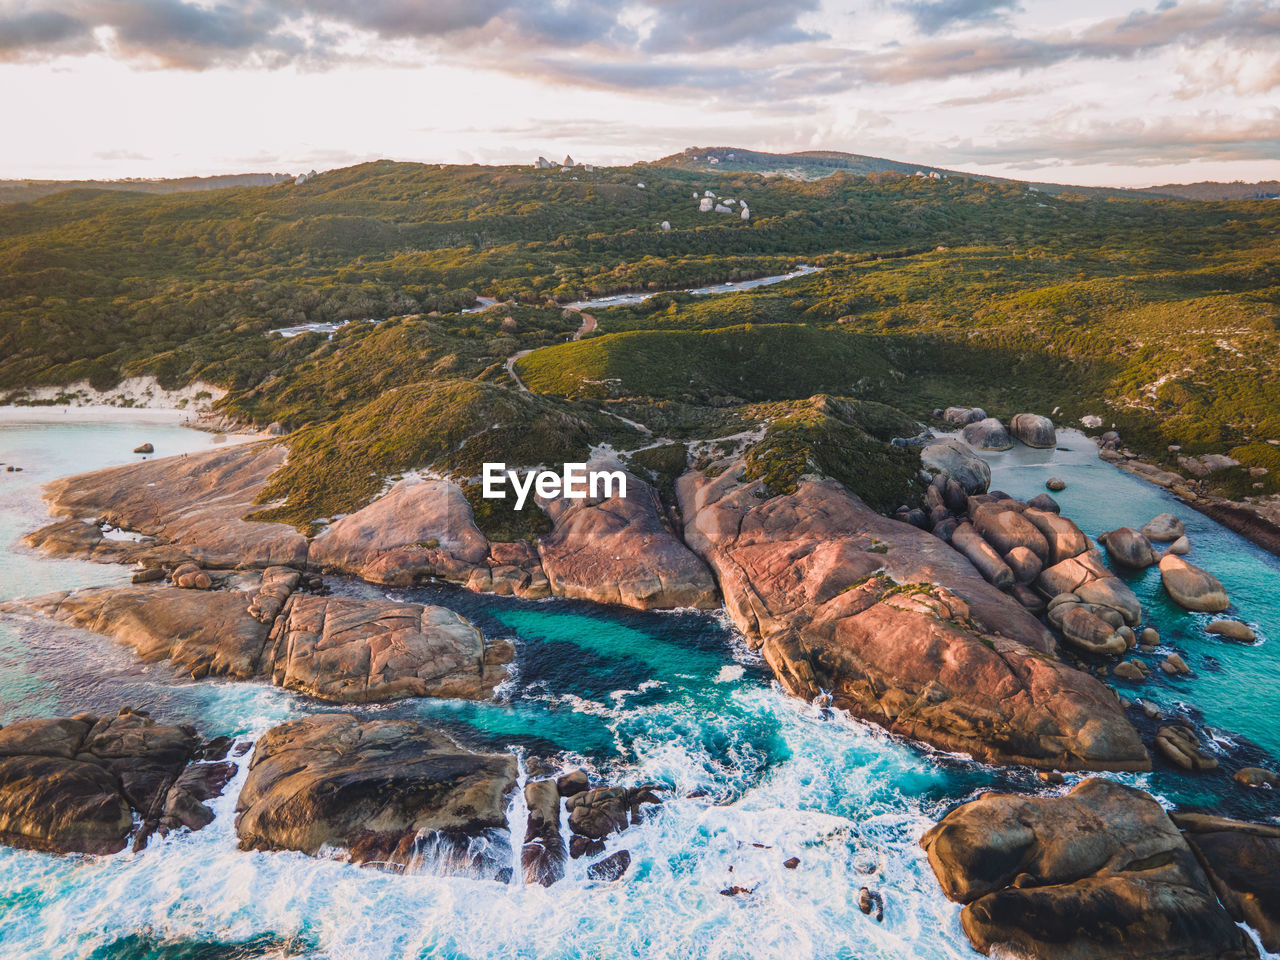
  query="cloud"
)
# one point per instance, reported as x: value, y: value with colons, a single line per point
x: 933, y: 16
x: 1205, y: 136
x: 1250, y: 23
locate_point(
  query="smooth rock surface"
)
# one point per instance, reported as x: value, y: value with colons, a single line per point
x: 1034, y: 430
x: 959, y: 463
x: 883, y: 616
x: 375, y: 789
x: 1098, y: 874
x: 1192, y: 588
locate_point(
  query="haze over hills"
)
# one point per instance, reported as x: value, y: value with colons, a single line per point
x: 24, y: 191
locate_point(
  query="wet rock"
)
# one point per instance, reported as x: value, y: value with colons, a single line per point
x: 543, y: 855
x: 598, y: 813
x: 1056, y: 484
x: 1174, y: 665
x: 1180, y: 547
x: 1101, y: 873
x: 573, y: 783
x: 76, y: 785
x: 1034, y: 430
x: 184, y: 804
x: 580, y: 846
x: 988, y: 434
x: 1164, y: 528
x: 1240, y: 860
x: 1052, y: 777
x: 959, y: 463
x: 1134, y: 670
x: 896, y: 627
x: 869, y: 900
x: 1128, y: 548
x: 791, y: 863
x: 1192, y: 588
x: 371, y: 788
x: 1180, y: 746
x: 611, y: 868
x: 1149, y: 637
x: 1257, y: 777
x: 1232, y: 630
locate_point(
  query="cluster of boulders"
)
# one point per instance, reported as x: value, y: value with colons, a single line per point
x: 848, y: 605
x: 988, y: 433
x: 188, y: 513
x: 86, y: 784
x: 1104, y: 872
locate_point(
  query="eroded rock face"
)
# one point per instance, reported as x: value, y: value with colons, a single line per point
x: 844, y: 600
x: 192, y: 505
x: 620, y: 551
x: 370, y: 788
x: 75, y: 785
x: 336, y: 649
x: 1100, y: 873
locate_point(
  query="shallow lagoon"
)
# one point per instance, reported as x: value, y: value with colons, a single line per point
x: 674, y: 699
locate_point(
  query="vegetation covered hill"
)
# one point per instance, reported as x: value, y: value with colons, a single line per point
x: 24, y: 191
x: 1159, y: 315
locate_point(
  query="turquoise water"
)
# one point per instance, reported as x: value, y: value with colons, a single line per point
x: 753, y: 777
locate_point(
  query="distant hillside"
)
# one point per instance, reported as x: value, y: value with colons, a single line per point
x: 1214, y: 190
x: 24, y: 191
x: 816, y: 164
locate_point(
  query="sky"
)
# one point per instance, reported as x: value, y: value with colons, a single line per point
x: 1098, y: 92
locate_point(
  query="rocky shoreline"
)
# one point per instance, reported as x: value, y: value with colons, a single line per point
x: 927, y: 625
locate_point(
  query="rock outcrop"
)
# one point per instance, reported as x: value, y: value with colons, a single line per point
x: 1034, y: 430
x: 336, y: 649
x: 378, y: 790
x: 1099, y: 873
x: 988, y: 434
x: 621, y: 551
x: 959, y: 463
x: 898, y: 627
x: 1192, y: 588
x: 77, y: 784
x: 192, y: 507
x: 1240, y: 860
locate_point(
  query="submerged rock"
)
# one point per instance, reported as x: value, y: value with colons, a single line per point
x: 898, y: 628
x: 378, y: 790
x: 1100, y: 873
x: 77, y: 784
x: 1232, y: 630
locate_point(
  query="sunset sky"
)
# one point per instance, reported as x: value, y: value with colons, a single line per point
x: 1089, y: 92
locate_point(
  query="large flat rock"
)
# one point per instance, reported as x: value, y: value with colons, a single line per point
x: 620, y: 550
x: 377, y: 790
x: 1100, y: 873
x: 331, y: 648
x: 898, y: 627
x: 193, y: 505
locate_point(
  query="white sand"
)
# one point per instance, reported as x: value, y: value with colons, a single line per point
x: 101, y: 413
